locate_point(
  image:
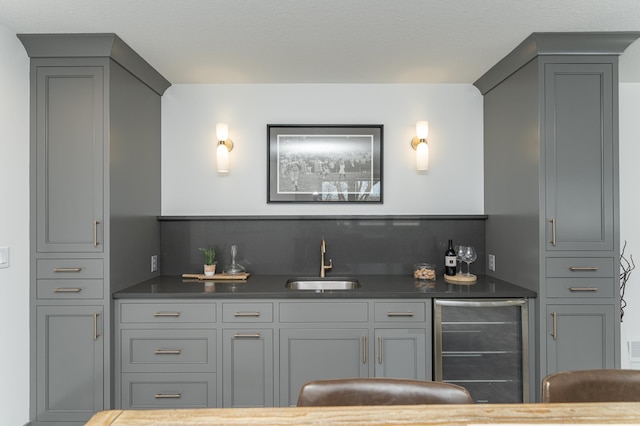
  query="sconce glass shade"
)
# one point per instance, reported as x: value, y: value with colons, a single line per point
x: 422, y: 129
x: 222, y: 158
x: 422, y: 156
x: 222, y: 131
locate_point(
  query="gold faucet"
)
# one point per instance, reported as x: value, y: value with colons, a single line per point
x: 323, y: 267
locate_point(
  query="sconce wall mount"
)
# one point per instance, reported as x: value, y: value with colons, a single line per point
x: 225, y: 145
x: 419, y: 144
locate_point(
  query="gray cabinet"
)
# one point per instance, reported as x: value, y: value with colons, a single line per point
x: 95, y: 180
x: 401, y: 353
x: 69, y: 363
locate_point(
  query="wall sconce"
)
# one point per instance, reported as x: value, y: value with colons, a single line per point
x: 419, y: 143
x: 224, y: 147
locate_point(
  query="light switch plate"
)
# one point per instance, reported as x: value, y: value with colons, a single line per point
x: 4, y: 257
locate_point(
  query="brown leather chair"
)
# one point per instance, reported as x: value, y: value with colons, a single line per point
x: 592, y: 386
x: 379, y: 391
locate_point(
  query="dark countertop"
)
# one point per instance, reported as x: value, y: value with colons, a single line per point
x: 273, y: 287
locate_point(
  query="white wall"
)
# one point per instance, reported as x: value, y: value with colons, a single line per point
x: 630, y: 208
x: 14, y: 229
x: 191, y: 185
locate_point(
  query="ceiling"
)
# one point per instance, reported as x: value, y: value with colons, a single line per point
x: 326, y: 41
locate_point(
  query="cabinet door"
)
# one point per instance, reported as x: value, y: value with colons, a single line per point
x: 580, y: 337
x: 69, y: 158
x: 579, y: 159
x: 401, y: 353
x: 247, y: 360
x: 69, y: 362
x: 319, y: 354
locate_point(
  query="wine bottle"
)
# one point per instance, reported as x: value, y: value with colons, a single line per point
x: 450, y: 260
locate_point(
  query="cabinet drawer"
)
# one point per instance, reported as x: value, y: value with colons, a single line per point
x: 168, y: 350
x: 580, y: 267
x: 167, y: 312
x: 323, y: 312
x: 168, y: 390
x: 247, y: 312
x: 70, y: 289
x: 580, y: 287
x: 400, y: 311
x: 69, y: 268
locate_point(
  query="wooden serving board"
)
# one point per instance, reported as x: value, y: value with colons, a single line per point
x: 461, y: 279
x: 230, y: 277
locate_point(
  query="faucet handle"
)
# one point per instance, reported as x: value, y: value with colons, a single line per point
x: 323, y: 246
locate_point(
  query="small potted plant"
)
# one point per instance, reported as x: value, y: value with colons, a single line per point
x: 209, y: 260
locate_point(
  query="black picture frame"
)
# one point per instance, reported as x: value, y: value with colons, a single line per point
x: 325, y: 164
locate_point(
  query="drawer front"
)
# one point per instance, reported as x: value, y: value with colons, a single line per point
x: 400, y: 312
x: 580, y: 287
x: 69, y: 268
x: 168, y: 390
x: 168, y: 350
x: 70, y: 289
x: 247, y: 312
x: 324, y: 312
x: 580, y: 267
x: 167, y: 313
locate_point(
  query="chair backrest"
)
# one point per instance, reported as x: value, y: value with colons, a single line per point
x: 611, y: 385
x: 380, y: 391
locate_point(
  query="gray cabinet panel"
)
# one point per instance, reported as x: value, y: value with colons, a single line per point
x: 247, y: 312
x: 302, y: 311
x: 579, y: 337
x: 168, y: 313
x: 69, y: 156
x: 70, y: 268
x: 401, y: 353
x: 70, y: 289
x: 579, y: 156
x: 69, y: 363
x: 315, y: 354
x: 168, y: 390
x: 248, y: 369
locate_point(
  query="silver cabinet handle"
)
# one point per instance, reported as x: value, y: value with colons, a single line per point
x: 379, y: 350
x: 166, y: 314
x: 553, y: 232
x: 67, y: 290
x: 95, y: 326
x: 583, y: 268
x: 247, y: 335
x: 168, y: 395
x: 95, y: 233
x: 583, y: 288
x: 554, y: 334
x: 67, y: 269
x: 399, y: 314
x: 168, y: 351
x: 246, y: 314
x: 364, y: 349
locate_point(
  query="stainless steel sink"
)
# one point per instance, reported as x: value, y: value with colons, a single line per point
x: 322, y: 284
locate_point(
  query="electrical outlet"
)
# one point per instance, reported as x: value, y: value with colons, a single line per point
x: 492, y: 262
x: 154, y: 263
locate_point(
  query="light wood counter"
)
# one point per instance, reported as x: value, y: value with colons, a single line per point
x: 591, y: 413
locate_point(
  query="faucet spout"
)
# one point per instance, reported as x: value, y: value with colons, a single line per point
x: 323, y: 266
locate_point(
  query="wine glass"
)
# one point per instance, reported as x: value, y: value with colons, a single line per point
x: 459, y: 254
x: 468, y: 257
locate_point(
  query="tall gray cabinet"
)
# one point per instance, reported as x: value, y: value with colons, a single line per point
x: 95, y: 195
x: 551, y: 126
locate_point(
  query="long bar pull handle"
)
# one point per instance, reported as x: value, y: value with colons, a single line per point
x: 168, y: 395
x: 379, y: 350
x: 166, y: 314
x: 554, y: 334
x: 583, y: 288
x: 553, y: 232
x: 168, y: 351
x: 95, y: 233
x: 95, y: 326
x: 246, y: 314
x: 67, y: 269
x: 399, y: 314
x: 583, y: 268
x: 247, y: 335
x: 364, y: 349
x: 67, y: 290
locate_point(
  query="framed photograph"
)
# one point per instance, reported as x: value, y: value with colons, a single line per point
x: 324, y: 163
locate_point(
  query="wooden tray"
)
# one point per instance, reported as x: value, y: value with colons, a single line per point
x: 227, y: 277
x: 461, y: 279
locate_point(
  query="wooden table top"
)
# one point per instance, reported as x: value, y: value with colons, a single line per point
x: 589, y: 413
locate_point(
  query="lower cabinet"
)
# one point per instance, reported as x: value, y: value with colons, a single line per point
x: 401, y: 353
x: 70, y: 363
x: 168, y: 390
x: 579, y: 337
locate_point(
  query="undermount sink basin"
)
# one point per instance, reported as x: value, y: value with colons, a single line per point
x: 322, y: 284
